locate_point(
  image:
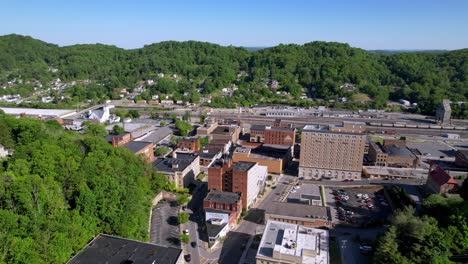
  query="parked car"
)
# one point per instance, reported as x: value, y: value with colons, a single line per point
x: 365, y: 248
x: 193, y: 244
x: 186, y: 231
x: 188, y: 257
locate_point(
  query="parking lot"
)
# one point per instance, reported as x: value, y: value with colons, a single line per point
x: 164, y: 226
x: 361, y: 206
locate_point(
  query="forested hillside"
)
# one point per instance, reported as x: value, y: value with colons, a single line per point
x: 60, y: 189
x: 317, y: 67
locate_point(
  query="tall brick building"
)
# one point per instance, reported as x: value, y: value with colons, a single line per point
x: 246, y: 178
x: 332, y: 152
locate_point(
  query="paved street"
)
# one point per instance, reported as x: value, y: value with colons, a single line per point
x: 349, y: 246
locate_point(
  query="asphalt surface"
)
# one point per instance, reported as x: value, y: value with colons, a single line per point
x: 164, y: 228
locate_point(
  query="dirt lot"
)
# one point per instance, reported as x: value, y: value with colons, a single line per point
x: 357, y: 210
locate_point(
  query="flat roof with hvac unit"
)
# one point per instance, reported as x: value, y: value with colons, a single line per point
x: 293, y: 244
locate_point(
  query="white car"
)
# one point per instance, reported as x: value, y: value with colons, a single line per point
x: 186, y: 231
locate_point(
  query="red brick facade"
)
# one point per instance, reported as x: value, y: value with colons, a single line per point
x: 189, y: 143
x: 120, y: 140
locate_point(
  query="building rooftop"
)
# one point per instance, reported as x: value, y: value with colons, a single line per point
x: 37, y: 112
x: 316, y: 127
x: 440, y: 177
x: 156, y: 136
x: 299, y: 210
x: 265, y: 127
x: 296, y: 243
x: 190, y: 140
x: 346, y: 127
x: 304, y: 193
x: 222, y: 130
x: 115, y: 250
x: 394, y: 150
x: 272, y: 151
x: 376, y: 146
x: 135, y: 146
x: 223, y: 197
x: 174, y: 164
x: 208, y: 153
x: 213, y: 230
x: 109, y: 138
x: 219, y: 163
x: 243, y: 165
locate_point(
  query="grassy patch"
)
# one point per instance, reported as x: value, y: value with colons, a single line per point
x: 378, y: 139
x: 322, y: 193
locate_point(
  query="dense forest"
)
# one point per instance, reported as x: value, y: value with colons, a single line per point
x: 438, y: 235
x: 60, y: 189
x: 316, y: 68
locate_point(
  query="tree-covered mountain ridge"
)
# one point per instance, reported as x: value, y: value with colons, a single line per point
x: 319, y: 67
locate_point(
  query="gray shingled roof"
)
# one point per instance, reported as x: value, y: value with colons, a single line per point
x: 135, y: 146
x: 115, y: 250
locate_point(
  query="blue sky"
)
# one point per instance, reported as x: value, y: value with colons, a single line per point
x: 368, y: 24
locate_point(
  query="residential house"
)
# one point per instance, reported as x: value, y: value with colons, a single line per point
x: 439, y: 181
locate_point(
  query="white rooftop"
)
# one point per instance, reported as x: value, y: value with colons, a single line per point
x: 289, y: 241
x: 36, y: 112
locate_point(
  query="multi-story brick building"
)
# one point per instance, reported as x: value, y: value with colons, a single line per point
x: 190, y: 144
x: 332, y: 152
x: 222, y: 211
x: 220, y: 175
x: 278, y: 134
x: 141, y: 148
x: 274, y: 157
x: 224, y: 201
x: 119, y: 140
x: 226, y: 132
x: 393, y: 155
x: 246, y: 178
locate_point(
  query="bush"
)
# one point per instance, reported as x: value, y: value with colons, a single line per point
x: 183, y: 199
x: 161, y: 151
x: 183, y: 218
x: 184, y: 238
